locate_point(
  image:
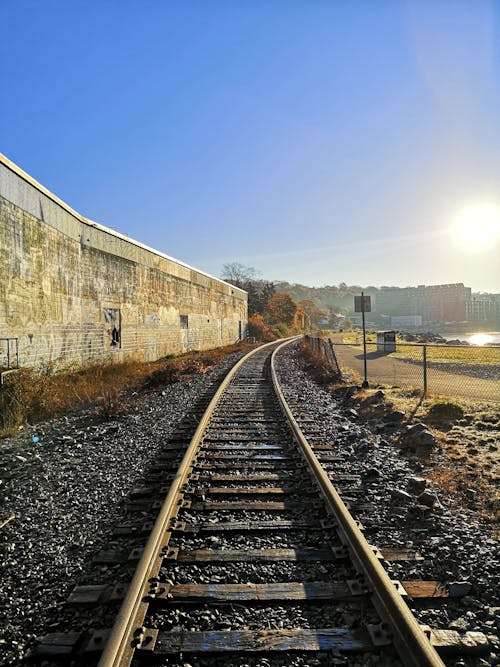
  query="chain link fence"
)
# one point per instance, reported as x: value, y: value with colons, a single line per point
x: 324, y: 347
x: 465, y: 371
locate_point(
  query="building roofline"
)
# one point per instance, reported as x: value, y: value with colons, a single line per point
x: 86, y: 221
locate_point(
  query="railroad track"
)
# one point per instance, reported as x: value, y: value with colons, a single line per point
x: 254, y: 556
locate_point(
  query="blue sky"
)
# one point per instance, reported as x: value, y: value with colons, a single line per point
x: 318, y: 141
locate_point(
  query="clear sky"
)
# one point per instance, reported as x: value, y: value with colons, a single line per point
x: 319, y: 141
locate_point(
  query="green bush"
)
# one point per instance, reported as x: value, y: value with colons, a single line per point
x: 282, y: 330
x: 445, y: 411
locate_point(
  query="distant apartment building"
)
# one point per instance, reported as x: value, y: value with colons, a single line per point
x: 414, y: 306
x: 483, y: 308
x: 445, y: 303
x: 399, y: 301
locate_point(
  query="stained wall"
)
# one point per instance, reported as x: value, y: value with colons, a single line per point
x: 73, y: 291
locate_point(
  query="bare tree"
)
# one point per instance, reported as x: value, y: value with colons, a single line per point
x: 238, y: 274
x: 246, y: 277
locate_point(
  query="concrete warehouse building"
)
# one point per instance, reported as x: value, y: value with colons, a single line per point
x: 74, y: 292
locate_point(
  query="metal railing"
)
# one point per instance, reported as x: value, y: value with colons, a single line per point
x: 9, y: 353
x: 447, y: 370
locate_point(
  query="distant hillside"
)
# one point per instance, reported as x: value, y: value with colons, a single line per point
x: 339, y: 298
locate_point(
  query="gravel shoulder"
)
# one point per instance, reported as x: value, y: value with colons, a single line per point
x: 457, y: 542
x: 64, y: 483
x: 468, y: 448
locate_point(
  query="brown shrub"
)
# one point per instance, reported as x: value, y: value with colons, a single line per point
x: 465, y: 487
x: 316, y: 365
x: 259, y: 329
x: 29, y: 396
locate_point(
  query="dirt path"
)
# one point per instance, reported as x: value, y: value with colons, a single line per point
x: 384, y: 369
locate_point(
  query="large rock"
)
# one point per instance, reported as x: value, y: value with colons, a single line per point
x: 395, y: 416
x: 427, y: 498
x: 419, y: 438
x: 377, y: 397
x: 425, y: 443
x: 412, y: 430
x: 417, y: 485
x: 401, y: 496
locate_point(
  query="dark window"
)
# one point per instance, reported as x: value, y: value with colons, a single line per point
x: 112, y: 317
x: 184, y: 322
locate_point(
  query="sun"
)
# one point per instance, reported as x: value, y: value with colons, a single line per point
x: 477, y: 227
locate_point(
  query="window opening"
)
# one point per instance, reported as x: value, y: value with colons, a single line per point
x: 112, y: 317
x: 184, y: 322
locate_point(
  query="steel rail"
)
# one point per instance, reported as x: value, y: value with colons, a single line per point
x: 118, y: 651
x: 410, y: 640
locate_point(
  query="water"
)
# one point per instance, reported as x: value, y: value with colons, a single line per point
x: 475, y: 338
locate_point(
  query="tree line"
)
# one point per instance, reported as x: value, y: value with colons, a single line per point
x: 272, y: 313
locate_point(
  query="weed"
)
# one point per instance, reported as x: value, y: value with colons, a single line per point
x: 111, y: 403
x: 162, y: 377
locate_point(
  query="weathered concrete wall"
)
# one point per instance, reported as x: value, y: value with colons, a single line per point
x: 73, y: 291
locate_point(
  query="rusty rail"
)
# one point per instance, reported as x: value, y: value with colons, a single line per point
x: 409, y: 638
x: 119, y: 648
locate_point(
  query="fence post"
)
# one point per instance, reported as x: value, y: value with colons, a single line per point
x: 334, y: 357
x: 424, y: 350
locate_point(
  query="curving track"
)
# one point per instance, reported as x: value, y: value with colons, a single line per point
x: 253, y: 551
x: 254, y: 559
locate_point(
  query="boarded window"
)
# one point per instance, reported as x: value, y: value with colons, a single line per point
x: 112, y: 317
x: 184, y: 322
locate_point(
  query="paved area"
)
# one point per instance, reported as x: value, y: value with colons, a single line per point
x: 383, y: 369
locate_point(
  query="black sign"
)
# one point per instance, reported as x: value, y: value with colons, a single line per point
x: 362, y: 304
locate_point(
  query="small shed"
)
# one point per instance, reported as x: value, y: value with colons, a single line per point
x: 386, y: 341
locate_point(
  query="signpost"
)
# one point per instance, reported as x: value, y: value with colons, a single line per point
x: 362, y: 304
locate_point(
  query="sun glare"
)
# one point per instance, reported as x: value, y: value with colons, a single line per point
x: 477, y: 227
x: 480, y: 339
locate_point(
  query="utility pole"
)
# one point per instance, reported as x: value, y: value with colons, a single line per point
x: 363, y: 304
x: 365, y: 381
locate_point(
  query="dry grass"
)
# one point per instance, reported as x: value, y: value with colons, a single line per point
x: 30, y: 397
x: 461, y: 479
x: 437, y: 352
x: 315, y: 364
x: 467, y: 464
x: 356, y: 337
x: 467, y: 354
